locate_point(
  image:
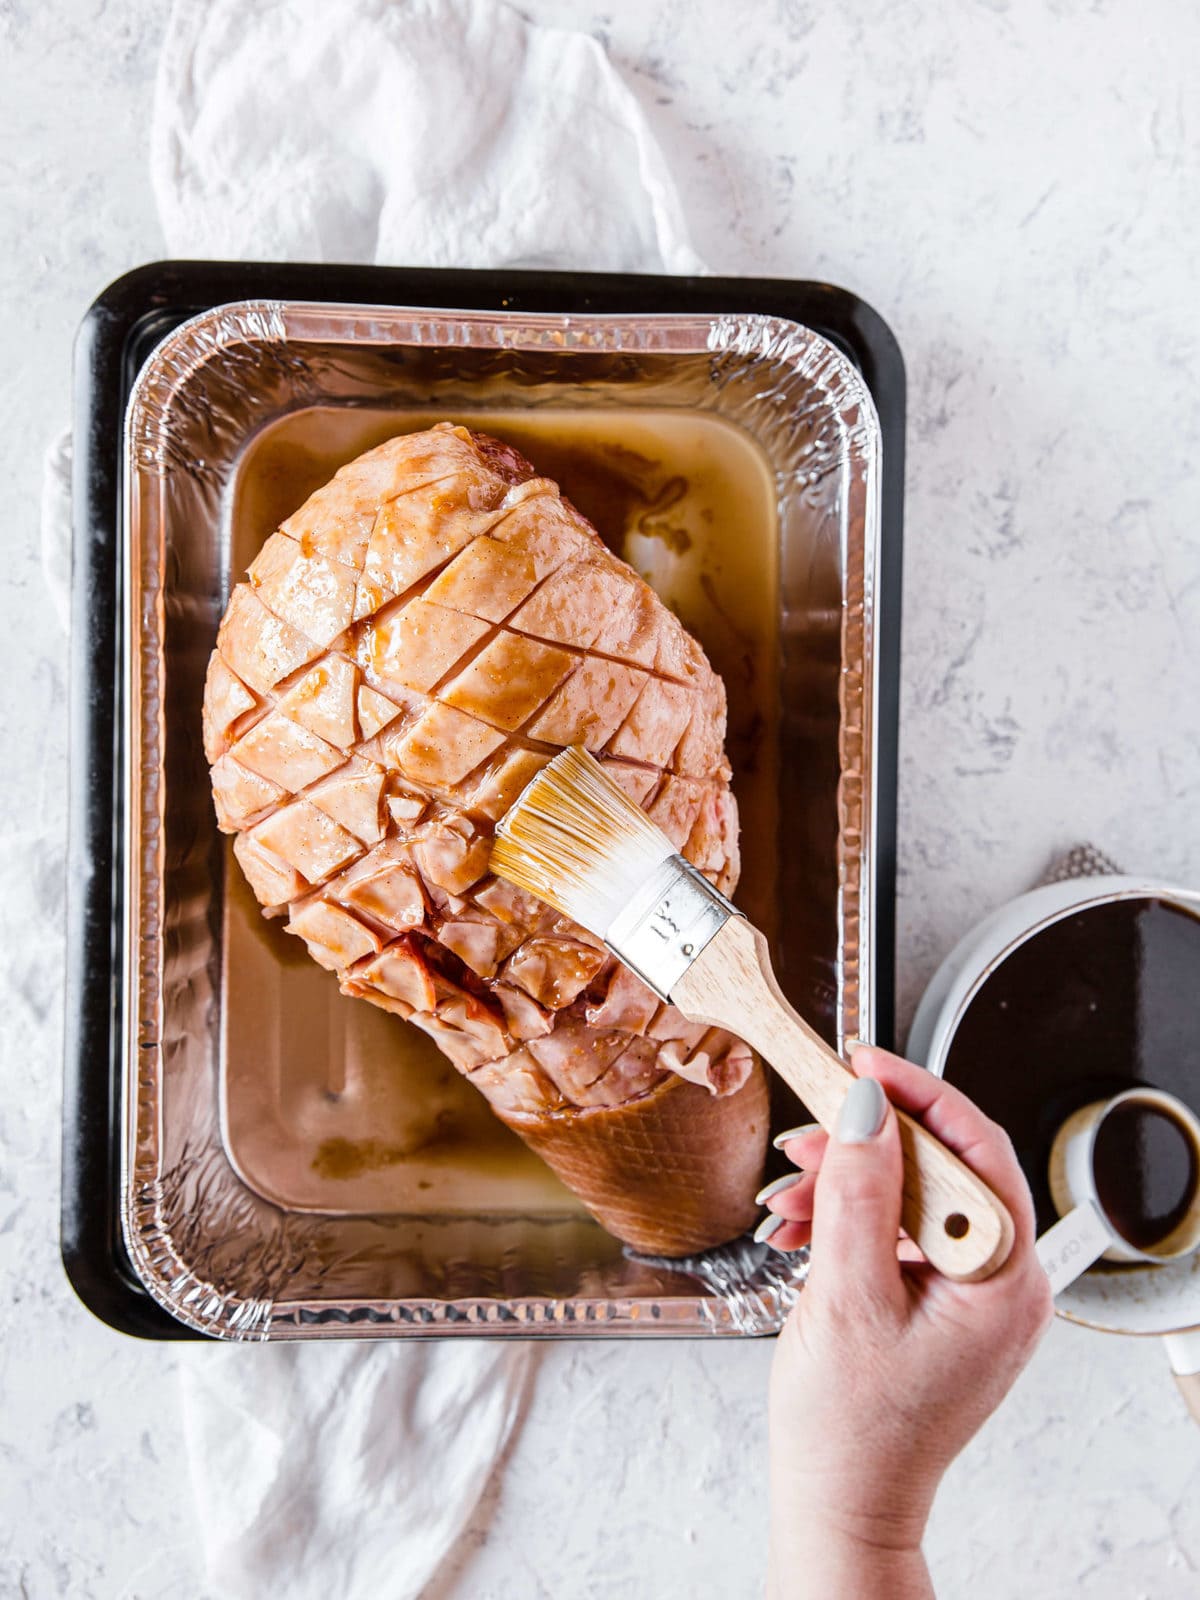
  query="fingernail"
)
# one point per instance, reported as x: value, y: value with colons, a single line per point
x: 770, y: 1224
x: 781, y: 1139
x: 779, y: 1185
x: 863, y: 1113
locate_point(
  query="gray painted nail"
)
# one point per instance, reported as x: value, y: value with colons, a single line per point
x: 863, y: 1113
x: 851, y: 1043
x: 770, y: 1224
x: 779, y: 1185
x: 781, y: 1139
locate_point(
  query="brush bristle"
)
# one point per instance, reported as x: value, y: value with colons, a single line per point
x: 578, y: 842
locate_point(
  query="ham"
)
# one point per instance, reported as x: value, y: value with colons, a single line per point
x: 407, y: 651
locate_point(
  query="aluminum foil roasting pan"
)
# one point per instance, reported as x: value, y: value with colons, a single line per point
x: 294, y: 1164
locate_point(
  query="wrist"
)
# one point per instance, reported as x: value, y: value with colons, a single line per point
x: 894, y: 1531
x: 814, y: 1560
x: 836, y: 1544
x: 850, y: 1509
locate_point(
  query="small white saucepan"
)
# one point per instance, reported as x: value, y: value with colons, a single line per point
x: 1065, y: 1013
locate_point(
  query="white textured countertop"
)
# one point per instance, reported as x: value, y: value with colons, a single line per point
x: 1015, y: 187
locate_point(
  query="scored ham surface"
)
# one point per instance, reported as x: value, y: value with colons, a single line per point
x: 409, y: 648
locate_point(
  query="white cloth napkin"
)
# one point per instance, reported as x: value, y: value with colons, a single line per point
x: 433, y: 132
x: 448, y: 133
x: 346, y: 1470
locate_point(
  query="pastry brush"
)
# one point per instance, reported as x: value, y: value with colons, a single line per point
x: 579, y: 843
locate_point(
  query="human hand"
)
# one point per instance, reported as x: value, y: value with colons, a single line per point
x: 885, y: 1368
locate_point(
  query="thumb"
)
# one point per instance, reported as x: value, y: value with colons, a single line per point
x: 856, y: 1203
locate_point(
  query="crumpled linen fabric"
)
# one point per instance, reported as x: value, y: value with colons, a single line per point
x: 442, y: 133
x: 348, y: 1469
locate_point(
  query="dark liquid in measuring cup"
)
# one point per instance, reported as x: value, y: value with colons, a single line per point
x: 1098, y: 1002
x: 1146, y: 1171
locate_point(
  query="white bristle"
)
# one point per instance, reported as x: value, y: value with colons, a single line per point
x: 578, y: 842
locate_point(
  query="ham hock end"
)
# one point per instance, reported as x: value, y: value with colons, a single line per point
x: 409, y: 648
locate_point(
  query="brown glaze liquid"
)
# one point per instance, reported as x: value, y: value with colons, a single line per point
x: 1095, y: 1004
x: 1145, y: 1166
x: 331, y: 1106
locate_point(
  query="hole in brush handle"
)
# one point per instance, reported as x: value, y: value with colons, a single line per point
x: 963, y: 1228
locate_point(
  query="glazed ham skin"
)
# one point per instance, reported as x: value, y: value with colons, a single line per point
x: 409, y: 648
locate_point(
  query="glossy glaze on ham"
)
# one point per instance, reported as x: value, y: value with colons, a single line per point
x: 406, y: 651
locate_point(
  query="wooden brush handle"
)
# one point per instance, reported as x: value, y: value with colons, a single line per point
x: 960, y: 1225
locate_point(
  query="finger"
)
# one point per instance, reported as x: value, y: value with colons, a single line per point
x: 960, y: 1125
x: 807, y: 1150
x: 856, y: 1202
x: 792, y: 1236
x: 796, y: 1201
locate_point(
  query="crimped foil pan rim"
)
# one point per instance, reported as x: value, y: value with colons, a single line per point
x: 271, y: 326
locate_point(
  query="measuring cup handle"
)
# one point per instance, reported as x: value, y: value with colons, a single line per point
x: 1183, y: 1352
x: 1068, y: 1248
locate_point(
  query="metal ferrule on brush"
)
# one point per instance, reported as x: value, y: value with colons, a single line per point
x: 668, y: 923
